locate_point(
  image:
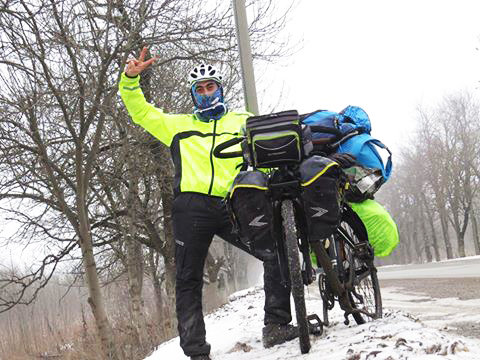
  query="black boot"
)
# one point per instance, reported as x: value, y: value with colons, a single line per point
x: 274, y: 334
x: 200, y: 357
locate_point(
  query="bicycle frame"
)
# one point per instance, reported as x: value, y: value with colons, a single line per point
x: 351, y: 279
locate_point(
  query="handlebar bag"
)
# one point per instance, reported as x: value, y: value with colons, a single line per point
x: 251, y: 212
x: 321, y: 180
x: 275, y: 139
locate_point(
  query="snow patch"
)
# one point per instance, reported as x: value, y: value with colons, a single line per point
x: 234, y: 331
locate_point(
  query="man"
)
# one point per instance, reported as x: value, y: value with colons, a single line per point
x: 201, y: 182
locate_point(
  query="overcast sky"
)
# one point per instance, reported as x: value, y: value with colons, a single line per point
x: 387, y: 56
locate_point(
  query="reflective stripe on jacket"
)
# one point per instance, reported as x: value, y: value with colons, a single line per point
x: 191, y: 141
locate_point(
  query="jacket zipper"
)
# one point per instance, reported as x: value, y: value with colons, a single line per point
x: 211, y: 156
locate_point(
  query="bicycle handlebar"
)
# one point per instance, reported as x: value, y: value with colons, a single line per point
x: 217, y: 152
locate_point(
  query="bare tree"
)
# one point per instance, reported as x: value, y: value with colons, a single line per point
x: 460, y: 115
x: 440, y: 190
x: 61, y: 124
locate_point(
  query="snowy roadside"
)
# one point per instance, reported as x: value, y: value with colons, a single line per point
x: 234, y: 331
x: 447, y: 314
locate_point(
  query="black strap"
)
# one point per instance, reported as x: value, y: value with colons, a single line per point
x: 217, y: 152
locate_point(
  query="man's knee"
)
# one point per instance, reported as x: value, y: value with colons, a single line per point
x: 189, y: 263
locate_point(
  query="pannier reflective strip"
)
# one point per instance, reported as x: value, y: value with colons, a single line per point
x: 320, y: 179
x: 319, y: 174
x: 246, y: 186
x: 276, y: 135
x: 252, y: 213
x: 313, y: 166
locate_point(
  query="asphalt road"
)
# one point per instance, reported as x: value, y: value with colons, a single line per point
x: 461, y: 288
x: 459, y: 268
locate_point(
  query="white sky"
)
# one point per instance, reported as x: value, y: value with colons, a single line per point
x: 387, y: 56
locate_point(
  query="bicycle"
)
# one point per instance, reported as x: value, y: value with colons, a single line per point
x: 346, y: 258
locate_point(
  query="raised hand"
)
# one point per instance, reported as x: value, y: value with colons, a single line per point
x: 136, y: 66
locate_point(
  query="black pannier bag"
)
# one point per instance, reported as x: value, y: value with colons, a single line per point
x: 321, y: 181
x: 252, y: 213
x: 277, y: 139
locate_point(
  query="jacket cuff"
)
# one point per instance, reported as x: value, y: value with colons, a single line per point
x: 130, y: 80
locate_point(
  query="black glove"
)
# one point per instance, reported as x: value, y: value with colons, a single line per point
x: 345, y: 160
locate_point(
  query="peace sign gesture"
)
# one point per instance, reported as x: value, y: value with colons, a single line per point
x: 136, y: 66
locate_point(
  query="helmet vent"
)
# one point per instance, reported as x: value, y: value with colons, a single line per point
x: 204, y: 72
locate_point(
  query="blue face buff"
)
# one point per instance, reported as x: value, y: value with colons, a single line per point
x: 209, y: 107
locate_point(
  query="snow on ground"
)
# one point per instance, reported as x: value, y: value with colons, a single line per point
x: 234, y: 331
x: 436, y: 313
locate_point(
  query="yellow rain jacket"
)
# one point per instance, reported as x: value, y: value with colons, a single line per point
x: 191, y: 141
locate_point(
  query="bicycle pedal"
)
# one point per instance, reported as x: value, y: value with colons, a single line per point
x: 315, y: 325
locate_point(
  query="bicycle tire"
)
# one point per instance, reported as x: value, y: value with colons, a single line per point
x: 366, y: 293
x: 296, y: 279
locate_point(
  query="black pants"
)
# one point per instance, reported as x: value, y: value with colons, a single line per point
x: 196, y: 219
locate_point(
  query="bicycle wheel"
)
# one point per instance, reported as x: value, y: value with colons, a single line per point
x: 358, y: 262
x: 295, y: 271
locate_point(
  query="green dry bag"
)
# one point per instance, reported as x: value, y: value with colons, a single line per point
x: 381, y: 229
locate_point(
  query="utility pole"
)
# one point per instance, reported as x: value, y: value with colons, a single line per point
x: 246, y: 63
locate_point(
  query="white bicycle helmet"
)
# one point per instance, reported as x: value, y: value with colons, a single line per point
x: 204, y: 72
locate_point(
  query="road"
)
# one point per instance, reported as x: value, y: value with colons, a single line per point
x: 445, y: 295
x: 458, y: 268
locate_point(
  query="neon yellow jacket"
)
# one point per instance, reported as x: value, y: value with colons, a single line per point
x: 191, y: 141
